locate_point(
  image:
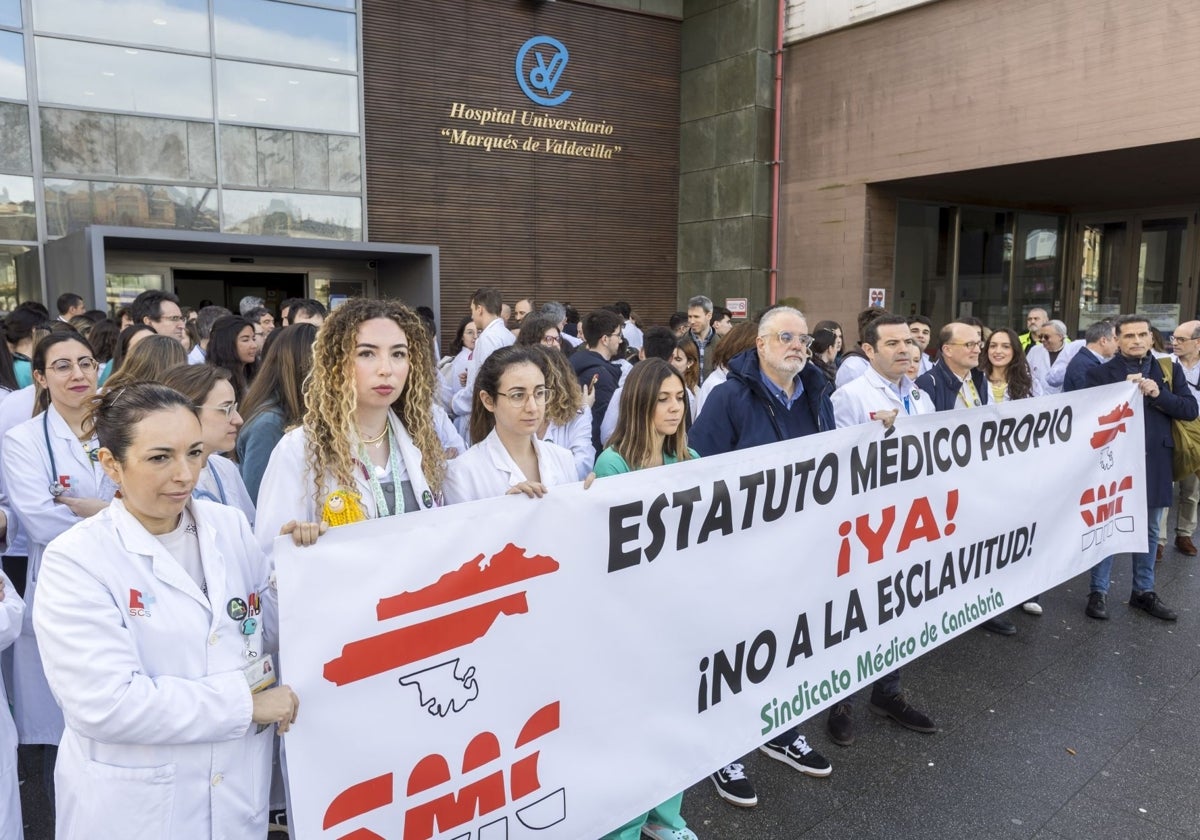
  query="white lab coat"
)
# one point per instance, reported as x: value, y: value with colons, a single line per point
x: 288, y: 486
x: 1040, y: 365
x: 854, y: 401
x: 576, y: 435
x: 159, y: 743
x: 491, y: 338
x: 12, y: 612
x: 486, y: 470
x: 26, y: 465
x: 230, y: 482
x: 16, y: 408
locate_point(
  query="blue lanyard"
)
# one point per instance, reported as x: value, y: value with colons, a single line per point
x: 197, y: 493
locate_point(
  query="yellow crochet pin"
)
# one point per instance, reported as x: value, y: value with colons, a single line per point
x: 343, y: 507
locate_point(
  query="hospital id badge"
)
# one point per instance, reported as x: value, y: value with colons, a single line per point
x: 260, y: 674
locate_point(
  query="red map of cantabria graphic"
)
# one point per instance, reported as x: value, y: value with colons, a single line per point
x: 403, y: 646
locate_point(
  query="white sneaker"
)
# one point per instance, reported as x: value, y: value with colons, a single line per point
x: 1032, y: 607
x: 661, y: 832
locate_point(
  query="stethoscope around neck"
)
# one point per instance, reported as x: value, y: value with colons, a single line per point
x: 57, y: 488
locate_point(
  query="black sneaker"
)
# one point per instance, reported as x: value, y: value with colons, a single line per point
x: 1097, y: 606
x: 897, y: 708
x: 1149, y: 602
x: 800, y: 756
x: 1001, y: 625
x: 734, y: 787
x: 841, y: 724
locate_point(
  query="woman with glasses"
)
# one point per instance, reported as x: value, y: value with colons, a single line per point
x: 508, y: 409
x: 210, y: 392
x: 650, y: 433
x: 568, y: 419
x: 53, y: 481
x: 368, y: 447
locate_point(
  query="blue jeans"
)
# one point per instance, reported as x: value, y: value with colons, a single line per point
x: 1143, y: 564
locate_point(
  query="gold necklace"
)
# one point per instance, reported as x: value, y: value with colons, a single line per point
x: 376, y: 441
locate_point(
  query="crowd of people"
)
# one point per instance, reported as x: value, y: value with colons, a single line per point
x: 148, y: 462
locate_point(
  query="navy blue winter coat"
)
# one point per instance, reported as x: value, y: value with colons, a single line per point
x: 741, y: 412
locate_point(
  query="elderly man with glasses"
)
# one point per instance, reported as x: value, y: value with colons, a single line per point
x: 1051, y: 348
x: 773, y: 393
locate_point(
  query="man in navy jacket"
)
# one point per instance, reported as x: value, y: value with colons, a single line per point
x: 1162, y: 402
x: 1100, y: 344
x: 773, y: 393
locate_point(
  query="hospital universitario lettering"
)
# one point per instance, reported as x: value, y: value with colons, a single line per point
x: 519, y: 130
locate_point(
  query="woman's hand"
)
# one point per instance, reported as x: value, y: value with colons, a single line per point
x: 278, y: 705
x: 83, y: 508
x: 587, y: 482
x: 532, y: 489
x: 304, y: 533
x: 589, y: 392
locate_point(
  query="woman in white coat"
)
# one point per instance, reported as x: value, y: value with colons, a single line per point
x: 53, y: 481
x: 156, y: 622
x: 368, y: 446
x: 508, y: 409
x: 211, y: 392
x: 12, y: 612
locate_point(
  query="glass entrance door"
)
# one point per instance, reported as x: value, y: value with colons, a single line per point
x: 1137, y: 262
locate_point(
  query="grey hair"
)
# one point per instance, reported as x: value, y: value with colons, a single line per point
x: 1059, y: 327
x: 554, y: 309
x: 700, y: 300
x: 764, y: 325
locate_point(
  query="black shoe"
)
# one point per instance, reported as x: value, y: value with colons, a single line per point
x: 1149, y: 602
x: 799, y: 756
x: 897, y: 708
x: 734, y: 787
x: 841, y: 724
x: 1097, y: 606
x: 1000, y: 625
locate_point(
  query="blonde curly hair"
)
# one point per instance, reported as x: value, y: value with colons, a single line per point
x: 332, y: 401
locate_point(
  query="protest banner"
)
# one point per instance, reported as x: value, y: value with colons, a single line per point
x: 518, y: 668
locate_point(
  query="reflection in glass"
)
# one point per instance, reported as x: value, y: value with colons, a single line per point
x: 281, y: 96
x: 291, y: 214
x: 121, y: 289
x: 18, y: 209
x: 270, y: 31
x: 1037, y: 264
x: 1161, y: 263
x: 10, y: 12
x: 1102, y: 248
x: 179, y: 24
x: 123, y: 79
x: 70, y: 205
x: 19, y: 275
x: 12, y: 66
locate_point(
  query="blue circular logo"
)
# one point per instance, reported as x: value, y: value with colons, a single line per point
x: 539, y: 80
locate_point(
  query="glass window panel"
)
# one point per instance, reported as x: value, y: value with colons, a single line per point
x: 121, y: 289
x: 10, y: 12
x: 123, y: 79
x: 18, y: 209
x: 1103, y: 252
x: 924, y: 241
x: 12, y: 65
x: 257, y: 93
x: 20, y: 278
x: 179, y: 24
x: 70, y: 205
x: 985, y: 247
x: 1037, y: 265
x: 271, y: 31
x: 291, y: 214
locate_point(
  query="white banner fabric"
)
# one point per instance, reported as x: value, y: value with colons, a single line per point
x: 517, y: 668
